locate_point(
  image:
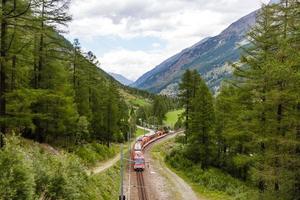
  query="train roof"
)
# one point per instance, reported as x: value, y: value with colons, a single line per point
x: 150, y: 134
x: 138, y: 146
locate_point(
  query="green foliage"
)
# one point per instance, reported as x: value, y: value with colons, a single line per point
x: 256, y: 122
x: 93, y: 153
x: 140, y: 132
x: 155, y: 113
x: 172, y: 117
x: 29, y: 172
x: 51, y: 90
x: 210, y: 180
x: 17, y: 179
x: 251, y: 130
x: 159, y: 109
x: 107, y: 191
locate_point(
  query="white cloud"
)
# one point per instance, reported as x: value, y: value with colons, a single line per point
x: 180, y: 23
x: 131, y: 64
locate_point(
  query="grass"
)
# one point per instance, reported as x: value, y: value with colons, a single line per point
x: 106, y: 185
x: 211, y: 184
x: 140, y: 132
x: 134, y: 100
x: 139, y: 102
x: 172, y: 117
x: 93, y: 153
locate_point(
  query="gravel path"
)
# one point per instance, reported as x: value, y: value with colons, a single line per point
x: 162, y: 182
x: 105, y: 165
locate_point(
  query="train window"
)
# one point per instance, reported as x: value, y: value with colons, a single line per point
x: 139, y: 161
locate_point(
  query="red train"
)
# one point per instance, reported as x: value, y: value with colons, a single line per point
x: 137, y: 153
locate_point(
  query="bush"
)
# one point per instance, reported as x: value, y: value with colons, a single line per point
x: 211, y: 179
x: 28, y: 172
x: 17, y: 178
x: 93, y: 153
x: 60, y: 177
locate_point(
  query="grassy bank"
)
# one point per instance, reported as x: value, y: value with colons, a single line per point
x: 140, y: 132
x: 93, y: 153
x: 106, y: 185
x: 172, y: 117
x: 29, y: 171
x: 212, y: 183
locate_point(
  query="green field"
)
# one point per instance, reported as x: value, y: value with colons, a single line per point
x: 139, y: 102
x: 172, y: 117
x: 134, y: 100
x: 139, y: 132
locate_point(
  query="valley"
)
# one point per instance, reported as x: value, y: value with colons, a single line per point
x: 220, y: 120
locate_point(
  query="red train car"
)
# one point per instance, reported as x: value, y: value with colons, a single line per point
x: 138, y: 161
x: 137, y: 154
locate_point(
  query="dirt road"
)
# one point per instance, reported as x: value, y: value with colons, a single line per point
x: 105, y: 165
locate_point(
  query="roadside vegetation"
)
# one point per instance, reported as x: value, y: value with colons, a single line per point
x: 211, y: 183
x: 93, y: 153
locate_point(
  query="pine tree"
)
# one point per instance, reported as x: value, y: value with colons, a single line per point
x: 11, y: 11
x: 50, y: 15
x: 187, y: 88
x: 270, y: 78
x: 201, y: 124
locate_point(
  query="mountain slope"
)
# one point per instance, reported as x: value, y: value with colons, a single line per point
x: 209, y: 56
x: 121, y: 79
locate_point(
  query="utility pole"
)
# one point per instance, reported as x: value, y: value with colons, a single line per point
x: 121, y: 197
x: 129, y: 163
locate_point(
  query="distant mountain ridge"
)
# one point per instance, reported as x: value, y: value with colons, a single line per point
x: 210, y: 57
x: 120, y: 78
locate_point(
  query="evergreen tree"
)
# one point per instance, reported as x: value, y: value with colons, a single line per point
x: 11, y: 12
x: 188, y: 89
x: 159, y: 109
x: 270, y: 80
x: 201, y: 124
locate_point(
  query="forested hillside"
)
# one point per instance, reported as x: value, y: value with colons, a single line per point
x: 65, y: 110
x: 51, y: 91
x: 251, y: 129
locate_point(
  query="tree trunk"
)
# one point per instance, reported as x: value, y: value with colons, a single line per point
x: 3, y: 52
x: 13, y: 73
x: 41, y: 49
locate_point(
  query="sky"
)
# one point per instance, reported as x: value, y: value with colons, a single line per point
x: 130, y: 37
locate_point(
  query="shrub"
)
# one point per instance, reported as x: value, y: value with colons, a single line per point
x: 211, y: 179
x: 29, y: 172
x: 93, y: 153
x: 17, y: 178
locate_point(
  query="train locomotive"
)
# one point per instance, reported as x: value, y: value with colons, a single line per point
x: 137, y: 153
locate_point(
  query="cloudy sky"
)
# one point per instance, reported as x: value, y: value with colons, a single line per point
x: 130, y: 37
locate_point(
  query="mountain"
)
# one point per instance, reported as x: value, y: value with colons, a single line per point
x: 274, y: 1
x: 121, y: 79
x: 210, y: 57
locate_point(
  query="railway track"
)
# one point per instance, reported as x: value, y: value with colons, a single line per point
x: 141, y: 186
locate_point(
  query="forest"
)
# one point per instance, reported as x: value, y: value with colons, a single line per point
x: 51, y: 91
x: 251, y: 129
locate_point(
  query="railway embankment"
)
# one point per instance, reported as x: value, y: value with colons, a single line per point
x: 210, y: 184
